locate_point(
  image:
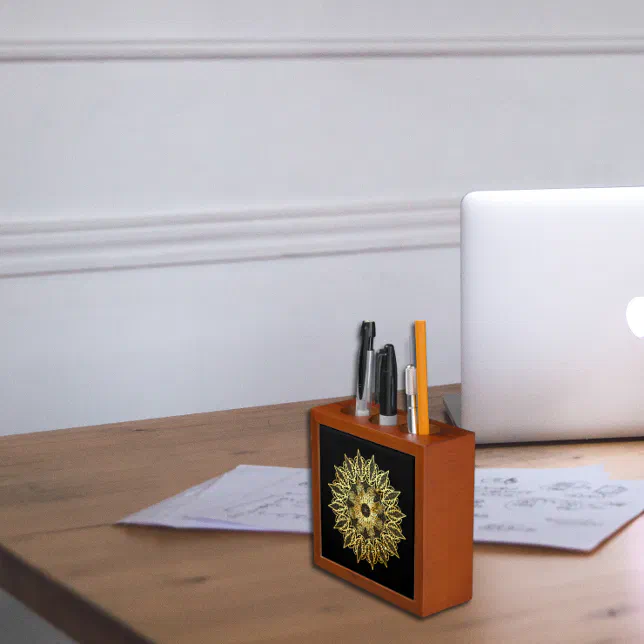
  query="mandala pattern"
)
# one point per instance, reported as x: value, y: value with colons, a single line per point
x: 366, y: 510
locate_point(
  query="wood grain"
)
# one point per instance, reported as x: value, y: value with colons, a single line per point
x: 60, y: 491
x: 448, y: 518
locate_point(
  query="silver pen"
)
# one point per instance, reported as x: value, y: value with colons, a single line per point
x: 364, y: 389
x: 411, y: 389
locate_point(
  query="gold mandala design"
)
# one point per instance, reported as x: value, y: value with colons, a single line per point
x: 366, y: 510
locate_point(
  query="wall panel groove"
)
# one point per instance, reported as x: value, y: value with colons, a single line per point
x: 71, y: 244
x: 221, y: 48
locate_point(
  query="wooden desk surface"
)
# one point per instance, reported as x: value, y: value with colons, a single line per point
x: 60, y: 493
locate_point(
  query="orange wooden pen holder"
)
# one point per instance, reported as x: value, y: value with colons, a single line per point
x: 393, y: 512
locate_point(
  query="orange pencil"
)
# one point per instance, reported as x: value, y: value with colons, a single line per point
x: 421, y: 375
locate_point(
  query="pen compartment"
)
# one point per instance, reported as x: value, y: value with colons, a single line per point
x: 393, y: 512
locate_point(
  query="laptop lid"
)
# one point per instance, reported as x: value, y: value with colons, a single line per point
x: 546, y: 279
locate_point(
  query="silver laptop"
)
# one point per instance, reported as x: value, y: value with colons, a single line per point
x: 552, y: 288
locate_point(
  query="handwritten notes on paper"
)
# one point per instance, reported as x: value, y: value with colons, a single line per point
x: 265, y: 498
x: 250, y: 497
x: 575, y: 508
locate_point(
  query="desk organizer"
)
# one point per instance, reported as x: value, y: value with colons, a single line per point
x: 393, y: 512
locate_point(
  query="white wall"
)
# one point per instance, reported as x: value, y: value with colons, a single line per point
x: 200, y: 201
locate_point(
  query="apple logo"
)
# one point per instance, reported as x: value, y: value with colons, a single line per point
x: 635, y: 316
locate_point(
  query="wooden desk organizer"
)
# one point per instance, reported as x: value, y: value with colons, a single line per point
x: 393, y: 513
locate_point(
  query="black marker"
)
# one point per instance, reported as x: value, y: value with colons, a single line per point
x: 388, y: 384
x: 365, y: 369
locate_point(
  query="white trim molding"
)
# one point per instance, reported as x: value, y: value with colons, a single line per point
x: 316, y: 47
x: 54, y: 245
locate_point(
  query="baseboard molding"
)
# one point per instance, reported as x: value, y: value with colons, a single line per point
x: 517, y: 45
x: 55, y: 245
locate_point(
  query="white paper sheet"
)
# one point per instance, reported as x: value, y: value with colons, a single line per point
x: 574, y: 509
x: 250, y: 497
x: 266, y: 498
x: 570, y: 508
